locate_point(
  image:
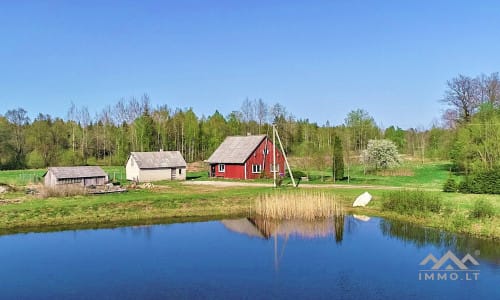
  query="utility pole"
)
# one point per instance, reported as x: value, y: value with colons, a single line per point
x: 274, y: 156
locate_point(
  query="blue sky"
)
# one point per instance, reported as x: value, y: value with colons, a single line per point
x: 321, y: 59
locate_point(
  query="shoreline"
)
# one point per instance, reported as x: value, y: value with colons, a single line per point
x: 178, y: 202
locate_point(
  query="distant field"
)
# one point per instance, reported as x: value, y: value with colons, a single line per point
x: 430, y: 175
x: 23, y: 177
x: 411, y: 174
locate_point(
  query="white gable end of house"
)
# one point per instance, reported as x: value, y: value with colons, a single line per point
x: 155, y: 166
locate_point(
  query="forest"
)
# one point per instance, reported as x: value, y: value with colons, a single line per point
x: 469, y: 135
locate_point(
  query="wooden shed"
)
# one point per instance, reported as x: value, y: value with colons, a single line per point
x: 156, y: 166
x: 245, y: 157
x: 80, y: 175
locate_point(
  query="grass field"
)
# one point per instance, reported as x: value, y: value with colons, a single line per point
x: 173, y: 200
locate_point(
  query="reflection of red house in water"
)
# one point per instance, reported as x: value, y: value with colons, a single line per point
x: 245, y: 157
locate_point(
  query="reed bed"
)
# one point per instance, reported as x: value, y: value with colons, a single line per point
x: 298, y: 205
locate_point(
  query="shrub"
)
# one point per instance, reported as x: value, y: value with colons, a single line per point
x: 408, y: 202
x: 482, y: 209
x: 486, y: 182
x: 450, y: 186
x: 381, y: 153
x: 297, y: 174
x: 464, y: 187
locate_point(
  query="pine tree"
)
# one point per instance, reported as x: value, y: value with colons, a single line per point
x: 338, y: 160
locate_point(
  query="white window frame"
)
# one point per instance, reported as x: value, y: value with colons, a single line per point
x: 256, y: 169
x: 222, y: 168
x: 273, y: 166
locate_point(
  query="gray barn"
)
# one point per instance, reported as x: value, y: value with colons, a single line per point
x: 82, y: 175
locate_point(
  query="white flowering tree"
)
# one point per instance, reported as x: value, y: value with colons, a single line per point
x: 381, y: 154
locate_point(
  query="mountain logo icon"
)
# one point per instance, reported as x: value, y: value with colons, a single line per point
x: 449, y: 261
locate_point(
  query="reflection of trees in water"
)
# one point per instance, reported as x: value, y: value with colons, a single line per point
x: 421, y: 237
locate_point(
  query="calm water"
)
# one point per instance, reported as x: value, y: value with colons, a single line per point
x: 347, y: 258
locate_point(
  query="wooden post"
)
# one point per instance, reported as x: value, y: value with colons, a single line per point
x: 286, y: 160
x: 274, y: 156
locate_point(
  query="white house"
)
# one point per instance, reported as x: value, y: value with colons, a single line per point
x: 156, y: 166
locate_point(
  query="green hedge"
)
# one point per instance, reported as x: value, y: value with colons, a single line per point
x: 487, y: 182
x: 410, y: 201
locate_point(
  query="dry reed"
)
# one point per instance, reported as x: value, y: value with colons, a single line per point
x: 298, y: 205
x: 62, y: 191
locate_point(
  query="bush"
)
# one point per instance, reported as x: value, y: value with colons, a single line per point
x: 408, y: 202
x: 296, y: 174
x: 450, y: 186
x: 482, y: 209
x: 464, y: 187
x: 486, y: 182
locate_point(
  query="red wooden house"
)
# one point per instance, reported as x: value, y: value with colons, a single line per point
x: 246, y: 157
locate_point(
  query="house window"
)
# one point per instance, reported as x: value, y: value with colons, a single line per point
x: 222, y: 168
x: 180, y: 171
x: 256, y: 168
x: 273, y: 167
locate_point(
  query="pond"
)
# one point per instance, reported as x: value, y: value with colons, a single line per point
x: 352, y: 257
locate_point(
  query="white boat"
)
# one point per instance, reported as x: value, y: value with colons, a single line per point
x: 362, y: 199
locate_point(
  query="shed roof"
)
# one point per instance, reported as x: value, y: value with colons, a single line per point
x: 77, y: 172
x: 156, y: 160
x: 236, y: 149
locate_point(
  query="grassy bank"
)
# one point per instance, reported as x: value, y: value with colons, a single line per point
x: 170, y: 201
x: 175, y: 201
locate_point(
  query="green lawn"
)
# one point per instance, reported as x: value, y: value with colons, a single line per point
x: 20, y: 212
x: 430, y: 175
x: 23, y: 177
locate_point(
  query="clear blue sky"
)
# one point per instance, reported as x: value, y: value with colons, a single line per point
x: 321, y: 59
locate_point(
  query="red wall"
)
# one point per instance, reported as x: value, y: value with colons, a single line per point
x: 237, y: 171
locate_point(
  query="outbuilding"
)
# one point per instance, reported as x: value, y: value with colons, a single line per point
x: 245, y: 157
x: 79, y: 175
x: 156, y: 166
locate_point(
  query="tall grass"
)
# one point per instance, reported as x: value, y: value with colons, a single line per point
x: 411, y: 201
x: 482, y: 209
x: 297, y: 205
x: 62, y: 191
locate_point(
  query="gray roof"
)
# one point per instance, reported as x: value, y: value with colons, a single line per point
x: 236, y: 149
x: 156, y: 160
x: 77, y: 172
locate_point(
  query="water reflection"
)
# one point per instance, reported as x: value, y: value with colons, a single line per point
x: 422, y: 237
x: 266, y: 228
x: 257, y: 227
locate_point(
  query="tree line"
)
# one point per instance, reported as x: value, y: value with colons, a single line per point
x: 469, y: 137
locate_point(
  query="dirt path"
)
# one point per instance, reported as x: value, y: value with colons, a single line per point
x: 305, y: 185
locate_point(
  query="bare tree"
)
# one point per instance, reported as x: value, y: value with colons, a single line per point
x: 262, y: 112
x: 83, y: 117
x: 490, y: 88
x: 19, y: 120
x: 72, y: 117
x: 463, y: 95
